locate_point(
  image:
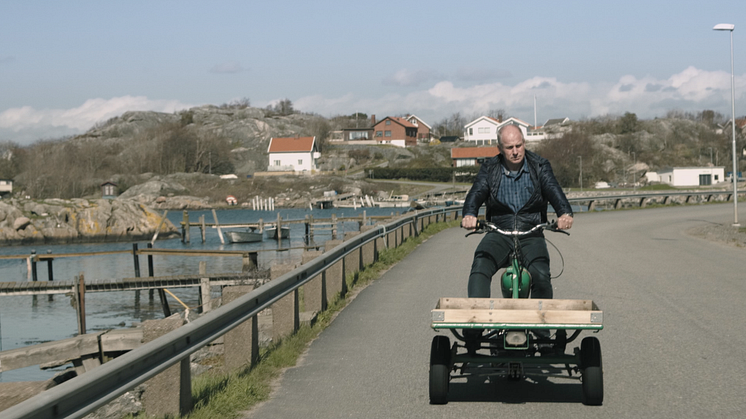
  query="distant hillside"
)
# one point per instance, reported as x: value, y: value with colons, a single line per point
x: 138, y: 146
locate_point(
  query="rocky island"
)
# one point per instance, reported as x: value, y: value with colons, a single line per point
x: 79, y: 220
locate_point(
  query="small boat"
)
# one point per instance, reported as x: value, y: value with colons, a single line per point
x: 272, y: 232
x: 248, y: 236
x: 393, y: 201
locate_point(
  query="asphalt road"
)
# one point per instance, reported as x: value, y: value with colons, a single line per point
x: 674, y: 340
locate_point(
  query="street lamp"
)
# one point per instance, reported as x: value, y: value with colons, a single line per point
x: 581, y: 173
x: 729, y: 27
x: 634, y: 172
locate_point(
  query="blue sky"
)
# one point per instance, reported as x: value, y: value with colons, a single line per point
x: 65, y: 66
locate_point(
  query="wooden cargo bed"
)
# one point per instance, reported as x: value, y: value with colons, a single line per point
x: 508, y: 313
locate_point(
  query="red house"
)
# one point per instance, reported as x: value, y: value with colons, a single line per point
x: 395, y: 131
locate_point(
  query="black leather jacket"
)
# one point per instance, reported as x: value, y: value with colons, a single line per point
x: 546, y: 189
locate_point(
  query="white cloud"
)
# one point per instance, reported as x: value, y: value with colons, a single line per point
x: 26, y: 124
x: 690, y: 90
x: 406, y: 77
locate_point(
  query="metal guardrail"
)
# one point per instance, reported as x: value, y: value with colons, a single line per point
x: 644, y: 197
x: 86, y: 393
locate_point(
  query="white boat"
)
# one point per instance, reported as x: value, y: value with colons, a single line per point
x: 393, y: 201
x: 248, y: 236
x: 272, y: 232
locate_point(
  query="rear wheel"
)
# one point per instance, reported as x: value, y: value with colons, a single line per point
x: 440, y: 369
x: 593, y: 374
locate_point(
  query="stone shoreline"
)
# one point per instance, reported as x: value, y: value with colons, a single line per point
x: 79, y: 221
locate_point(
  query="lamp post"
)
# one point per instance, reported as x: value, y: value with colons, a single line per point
x: 729, y: 27
x: 634, y: 172
x: 581, y: 173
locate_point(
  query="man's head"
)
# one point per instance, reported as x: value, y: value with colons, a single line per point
x: 512, y: 146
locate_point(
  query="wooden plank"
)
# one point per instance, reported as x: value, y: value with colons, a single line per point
x: 43, y: 353
x: 518, y: 316
x: 118, y: 340
x: 513, y: 304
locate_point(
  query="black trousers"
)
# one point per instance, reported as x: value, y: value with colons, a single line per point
x: 493, y: 253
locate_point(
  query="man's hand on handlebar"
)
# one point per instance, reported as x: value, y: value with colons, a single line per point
x: 469, y: 222
x: 564, y: 222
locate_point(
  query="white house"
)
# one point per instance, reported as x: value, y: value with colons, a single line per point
x: 691, y: 176
x: 296, y: 154
x: 483, y: 130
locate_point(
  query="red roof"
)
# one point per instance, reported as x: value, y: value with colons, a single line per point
x: 291, y: 144
x: 474, y: 152
x: 400, y: 121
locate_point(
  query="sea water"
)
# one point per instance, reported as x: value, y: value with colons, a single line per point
x: 27, y: 321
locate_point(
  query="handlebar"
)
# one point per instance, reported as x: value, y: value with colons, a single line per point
x: 484, y: 226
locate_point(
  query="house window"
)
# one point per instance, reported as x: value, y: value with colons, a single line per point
x: 300, y: 162
x: 484, y: 130
x: 379, y: 133
x: 471, y: 131
x: 716, y: 178
x: 277, y: 162
x: 388, y: 133
x: 388, y: 122
x: 355, y: 135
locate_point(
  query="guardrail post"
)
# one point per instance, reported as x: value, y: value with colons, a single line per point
x: 285, y: 312
x: 235, y: 349
x: 313, y: 290
x: 170, y: 392
x: 334, y: 273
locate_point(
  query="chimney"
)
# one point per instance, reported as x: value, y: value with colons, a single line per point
x: 372, y: 120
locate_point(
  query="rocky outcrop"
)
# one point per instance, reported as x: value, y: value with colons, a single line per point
x: 79, y: 220
x: 162, y: 193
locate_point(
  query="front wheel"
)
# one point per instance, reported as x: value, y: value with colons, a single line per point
x: 440, y: 369
x: 593, y: 374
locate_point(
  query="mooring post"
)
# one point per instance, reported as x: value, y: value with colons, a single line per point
x: 185, y: 234
x: 137, y: 270
x: 279, y: 229
x: 80, y: 300
x: 202, y: 226
x: 50, y: 273
x: 150, y: 271
x: 136, y: 259
x: 334, y: 226
x: 204, y: 288
x: 305, y: 236
x: 34, y: 276
x: 217, y: 224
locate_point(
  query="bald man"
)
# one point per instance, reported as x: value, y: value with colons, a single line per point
x: 515, y: 186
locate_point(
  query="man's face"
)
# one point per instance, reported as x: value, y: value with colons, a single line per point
x: 512, y: 147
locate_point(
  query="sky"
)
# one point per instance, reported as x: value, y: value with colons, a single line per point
x: 65, y: 66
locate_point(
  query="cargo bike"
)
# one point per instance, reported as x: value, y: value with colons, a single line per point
x: 494, y: 337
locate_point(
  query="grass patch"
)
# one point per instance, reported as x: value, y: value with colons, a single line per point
x: 227, y: 395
